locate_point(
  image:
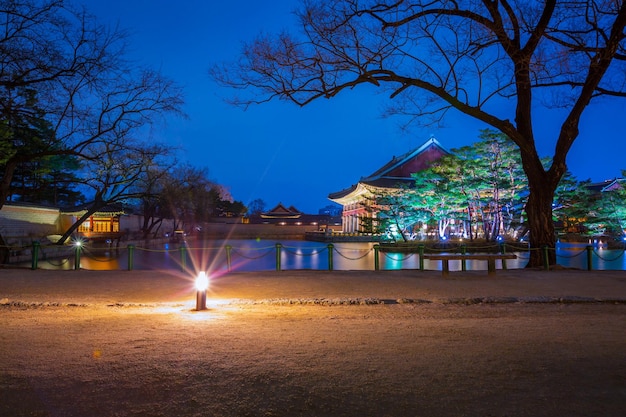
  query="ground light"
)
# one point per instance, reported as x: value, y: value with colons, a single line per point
x: 78, y: 243
x: 202, y: 283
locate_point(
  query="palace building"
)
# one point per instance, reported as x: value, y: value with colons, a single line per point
x: 359, y: 199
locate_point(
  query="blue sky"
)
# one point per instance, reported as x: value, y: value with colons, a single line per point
x: 282, y: 153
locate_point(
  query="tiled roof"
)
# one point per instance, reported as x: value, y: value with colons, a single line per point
x: 109, y: 209
x: 282, y: 211
x: 398, y: 161
x: 606, y: 185
x: 384, y: 178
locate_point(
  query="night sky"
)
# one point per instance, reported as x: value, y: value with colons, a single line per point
x: 279, y: 152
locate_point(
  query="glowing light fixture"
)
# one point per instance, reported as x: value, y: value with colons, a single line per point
x: 202, y: 283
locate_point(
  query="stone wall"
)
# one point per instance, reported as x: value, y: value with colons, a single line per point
x: 24, y: 223
x: 254, y: 231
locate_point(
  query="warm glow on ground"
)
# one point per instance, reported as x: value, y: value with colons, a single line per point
x: 215, y: 309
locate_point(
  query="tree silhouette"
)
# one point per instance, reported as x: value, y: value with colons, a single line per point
x: 60, y: 68
x: 500, y: 62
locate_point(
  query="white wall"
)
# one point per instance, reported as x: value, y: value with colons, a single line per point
x: 23, y: 221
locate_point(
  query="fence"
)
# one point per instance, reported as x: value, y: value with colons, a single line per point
x: 69, y: 256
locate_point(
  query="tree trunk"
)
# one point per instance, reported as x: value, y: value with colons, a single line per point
x: 75, y: 226
x: 468, y: 222
x: 5, y: 182
x: 153, y: 223
x: 95, y: 206
x: 5, y: 187
x: 539, y: 215
x: 4, y: 251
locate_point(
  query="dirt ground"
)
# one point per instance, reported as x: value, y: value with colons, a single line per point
x: 313, y: 343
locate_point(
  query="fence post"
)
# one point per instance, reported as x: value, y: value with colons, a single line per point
x: 376, y: 260
x: 77, y: 247
x: 503, y: 252
x: 463, y: 261
x: 330, y: 256
x: 228, y: 258
x: 589, y: 257
x: 278, y: 246
x: 546, y: 261
x: 35, y: 255
x: 420, y: 249
x: 131, y: 251
x: 183, y: 257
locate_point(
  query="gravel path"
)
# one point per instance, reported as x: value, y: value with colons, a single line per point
x: 309, y: 343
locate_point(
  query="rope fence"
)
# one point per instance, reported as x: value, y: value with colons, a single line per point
x: 60, y: 256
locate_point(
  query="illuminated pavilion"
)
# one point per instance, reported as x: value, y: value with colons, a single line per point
x: 358, y: 200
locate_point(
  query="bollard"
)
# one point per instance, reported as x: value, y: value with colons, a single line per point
x: 546, y: 261
x: 183, y: 258
x: 330, y: 256
x: 376, y: 260
x: 202, y: 283
x: 35, y: 255
x: 228, y: 259
x: 503, y: 252
x: 589, y: 257
x: 200, y: 300
x: 463, y: 261
x: 77, y: 247
x: 131, y: 250
x: 421, y: 252
x: 278, y: 246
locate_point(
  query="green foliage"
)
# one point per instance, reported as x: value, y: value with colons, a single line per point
x: 397, y: 213
x: 479, y: 191
x: 51, y: 180
x: 35, y: 162
x: 479, y: 187
x: 607, y: 212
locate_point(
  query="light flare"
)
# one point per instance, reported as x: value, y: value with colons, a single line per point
x: 202, y: 281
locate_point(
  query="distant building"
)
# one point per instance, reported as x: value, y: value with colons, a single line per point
x: 281, y: 212
x: 283, y: 216
x: 607, y: 185
x: 358, y: 199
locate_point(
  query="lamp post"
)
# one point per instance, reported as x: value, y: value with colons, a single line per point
x: 77, y: 247
x: 202, y: 283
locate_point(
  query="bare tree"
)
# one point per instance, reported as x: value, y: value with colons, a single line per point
x: 60, y: 68
x: 58, y: 64
x: 114, y: 175
x: 500, y: 62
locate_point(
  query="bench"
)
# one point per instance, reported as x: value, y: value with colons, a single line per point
x: 489, y: 257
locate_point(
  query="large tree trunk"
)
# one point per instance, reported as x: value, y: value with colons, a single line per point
x: 5, y: 187
x: 5, y: 180
x: 4, y: 251
x: 539, y: 214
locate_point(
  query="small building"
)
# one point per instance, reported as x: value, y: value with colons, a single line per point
x: 103, y: 225
x: 358, y: 200
x: 282, y: 215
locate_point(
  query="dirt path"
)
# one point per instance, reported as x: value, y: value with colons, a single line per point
x: 313, y: 344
